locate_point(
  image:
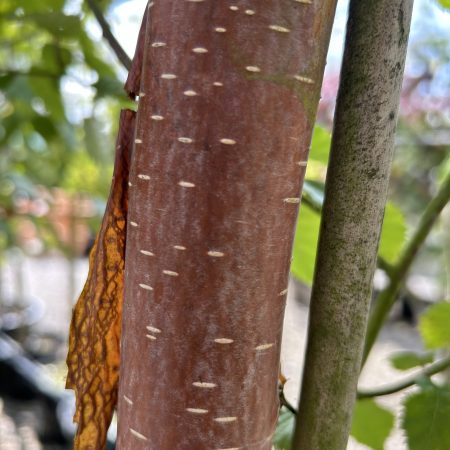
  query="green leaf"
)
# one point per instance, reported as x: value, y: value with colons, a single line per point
x: 371, y: 424
x: 56, y: 23
x: 55, y: 58
x: 48, y: 90
x: 408, y: 360
x: 19, y: 89
x: 445, y: 3
x: 5, y: 80
x: 320, y: 145
x: 31, y: 6
x: 427, y: 419
x: 90, y: 52
x: 44, y: 127
x: 393, y: 233
x: 305, y: 245
x: 313, y: 192
x: 109, y: 86
x: 434, y: 325
x: 97, y: 142
x: 84, y: 175
x: 285, y: 430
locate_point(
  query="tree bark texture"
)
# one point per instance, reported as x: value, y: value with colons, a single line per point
x: 355, y: 197
x: 228, y: 94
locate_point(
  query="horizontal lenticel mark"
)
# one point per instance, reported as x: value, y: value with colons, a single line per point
x: 223, y: 341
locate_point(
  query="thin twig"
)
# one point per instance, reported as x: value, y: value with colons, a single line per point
x: 387, y: 297
x: 388, y: 389
x: 392, y: 388
x: 384, y: 266
x: 285, y: 402
x: 108, y: 35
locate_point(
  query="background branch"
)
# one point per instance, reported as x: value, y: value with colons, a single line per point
x: 432, y: 369
x: 108, y: 35
x: 387, y: 297
x: 387, y: 389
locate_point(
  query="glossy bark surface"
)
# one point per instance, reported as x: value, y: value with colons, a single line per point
x: 228, y: 96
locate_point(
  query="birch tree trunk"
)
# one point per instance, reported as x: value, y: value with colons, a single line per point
x: 228, y: 93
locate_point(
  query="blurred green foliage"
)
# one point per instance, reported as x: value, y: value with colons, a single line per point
x: 393, y: 233
x: 410, y: 360
x: 60, y: 95
x: 381, y: 421
x: 305, y: 245
x: 435, y: 326
x: 285, y: 430
x: 427, y: 417
x: 426, y: 410
x: 445, y: 3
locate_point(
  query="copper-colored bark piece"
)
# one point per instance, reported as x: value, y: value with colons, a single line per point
x: 133, y: 83
x: 230, y: 95
x: 94, y: 340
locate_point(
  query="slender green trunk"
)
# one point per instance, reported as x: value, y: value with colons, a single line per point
x: 356, y: 190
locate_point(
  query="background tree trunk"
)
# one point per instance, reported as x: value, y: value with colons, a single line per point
x: 228, y: 98
x: 355, y: 197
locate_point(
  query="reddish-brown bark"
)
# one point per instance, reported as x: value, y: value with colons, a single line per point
x: 134, y: 76
x: 228, y: 97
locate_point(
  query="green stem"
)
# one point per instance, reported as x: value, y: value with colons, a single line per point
x: 355, y: 197
x: 385, y: 266
x: 316, y: 206
x: 109, y: 36
x: 392, y: 388
x: 387, y: 297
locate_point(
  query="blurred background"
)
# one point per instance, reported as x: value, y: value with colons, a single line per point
x: 60, y: 96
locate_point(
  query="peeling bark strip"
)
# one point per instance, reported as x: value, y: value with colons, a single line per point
x: 134, y: 76
x: 230, y: 96
x: 93, y: 358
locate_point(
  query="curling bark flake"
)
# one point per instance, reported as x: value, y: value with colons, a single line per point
x: 94, y: 340
x: 228, y: 93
